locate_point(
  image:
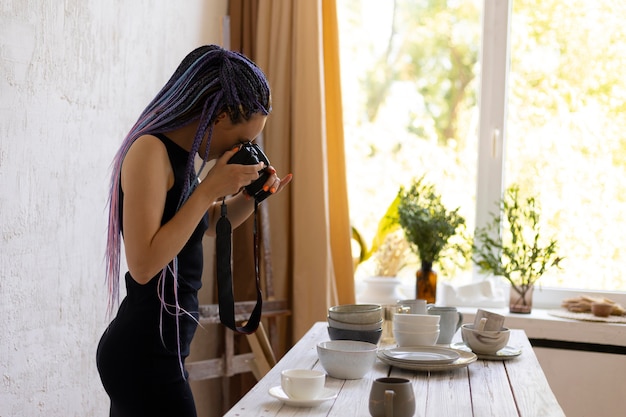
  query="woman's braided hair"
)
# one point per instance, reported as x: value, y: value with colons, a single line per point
x: 209, y: 81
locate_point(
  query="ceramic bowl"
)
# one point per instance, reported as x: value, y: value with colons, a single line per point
x: 346, y: 359
x: 416, y: 339
x: 355, y: 326
x: 601, y: 309
x: 415, y: 328
x: 484, y: 341
x: 370, y: 336
x: 421, y: 319
x: 356, y: 313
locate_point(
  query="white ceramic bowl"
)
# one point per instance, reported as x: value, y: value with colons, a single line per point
x: 346, y: 359
x: 356, y: 313
x: 416, y: 318
x: 484, y: 341
x: 416, y: 339
x: 354, y: 326
x: 415, y: 328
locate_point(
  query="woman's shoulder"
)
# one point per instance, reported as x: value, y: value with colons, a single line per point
x: 146, y: 156
x: 146, y: 148
x: 150, y: 143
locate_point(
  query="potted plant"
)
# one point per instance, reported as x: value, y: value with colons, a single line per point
x: 511, y: 246
x: 387, y: 253
x: 429, y: 228
x: 390, y: 256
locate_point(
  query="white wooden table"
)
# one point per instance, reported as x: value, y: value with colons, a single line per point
x: 516, y: 387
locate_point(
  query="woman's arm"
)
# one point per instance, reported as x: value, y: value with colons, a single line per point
x: 146, y: 177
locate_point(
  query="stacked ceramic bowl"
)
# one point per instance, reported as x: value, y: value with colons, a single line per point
x: 361, y: 322
x: 415, y: 329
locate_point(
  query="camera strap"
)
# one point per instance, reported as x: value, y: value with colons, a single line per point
x: 226, y: 300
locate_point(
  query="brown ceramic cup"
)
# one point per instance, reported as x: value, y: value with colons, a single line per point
x: 392, y: 397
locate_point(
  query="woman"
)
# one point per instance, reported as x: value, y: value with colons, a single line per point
x: 215, y: 101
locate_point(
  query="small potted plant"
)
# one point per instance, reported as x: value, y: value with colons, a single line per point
x: 391, y: 255
x: 429, y: 228
x: 511, y: 246
x: 388, y: 254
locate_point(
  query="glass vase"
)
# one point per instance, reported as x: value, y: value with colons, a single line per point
x: 521, y: 301
x: 426, y: 283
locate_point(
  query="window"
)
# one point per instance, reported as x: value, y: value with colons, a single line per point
x: 566, y: 131
x: 551, y: 121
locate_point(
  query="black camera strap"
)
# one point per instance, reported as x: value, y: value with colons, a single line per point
x: 226, y: 300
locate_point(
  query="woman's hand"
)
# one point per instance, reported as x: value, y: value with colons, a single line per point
x: 274, y: 184
x: 240, y: 207
x: 227, y: 179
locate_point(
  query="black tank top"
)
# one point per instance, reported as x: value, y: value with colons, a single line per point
x: 143, y: 305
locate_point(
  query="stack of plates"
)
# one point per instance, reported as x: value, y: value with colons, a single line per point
x: 426, y: 358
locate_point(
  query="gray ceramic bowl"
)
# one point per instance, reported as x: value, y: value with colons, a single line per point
x: 370, y: 336
x: 346, y: 359
x: 356, y: 313
x: 354, y: 326
x: 484, y: 341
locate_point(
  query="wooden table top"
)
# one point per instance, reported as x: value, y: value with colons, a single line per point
x: 515, y: 387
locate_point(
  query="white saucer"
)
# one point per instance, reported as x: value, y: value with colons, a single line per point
x: 507, y: 352
x: 278, y: 393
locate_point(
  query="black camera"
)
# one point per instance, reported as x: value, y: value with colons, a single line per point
x: 251, y: 154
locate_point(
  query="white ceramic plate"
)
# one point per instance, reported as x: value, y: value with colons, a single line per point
x: 507, y: 352
x: 426, y: 355
x: 465, y: 358
x: 278, y: 393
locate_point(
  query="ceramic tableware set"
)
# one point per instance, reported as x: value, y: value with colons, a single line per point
x: 354, y: 330
x: 487, y: 337
x: 351, y: 354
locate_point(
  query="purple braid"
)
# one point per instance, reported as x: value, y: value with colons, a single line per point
x: 209, y: 81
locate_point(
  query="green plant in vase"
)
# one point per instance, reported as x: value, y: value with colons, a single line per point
x: 428, y: 227
x: 511, y: 246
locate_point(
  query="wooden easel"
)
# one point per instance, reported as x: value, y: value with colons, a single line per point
x: 259, y: 361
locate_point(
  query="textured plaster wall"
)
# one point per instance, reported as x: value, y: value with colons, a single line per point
x: 74, y: 76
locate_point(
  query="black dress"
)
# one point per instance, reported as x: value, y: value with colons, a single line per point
x: 141, y: 355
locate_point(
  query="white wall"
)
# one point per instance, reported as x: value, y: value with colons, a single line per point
x: 74, y: 76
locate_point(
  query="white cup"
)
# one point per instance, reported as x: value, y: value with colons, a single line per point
x: 302, y: 384
x: 417, y: 306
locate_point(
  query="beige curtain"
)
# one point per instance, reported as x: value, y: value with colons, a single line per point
x: 296, y: 45
x: 338, y: 188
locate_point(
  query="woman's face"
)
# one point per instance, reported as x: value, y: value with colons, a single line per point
x: 227, y: 135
